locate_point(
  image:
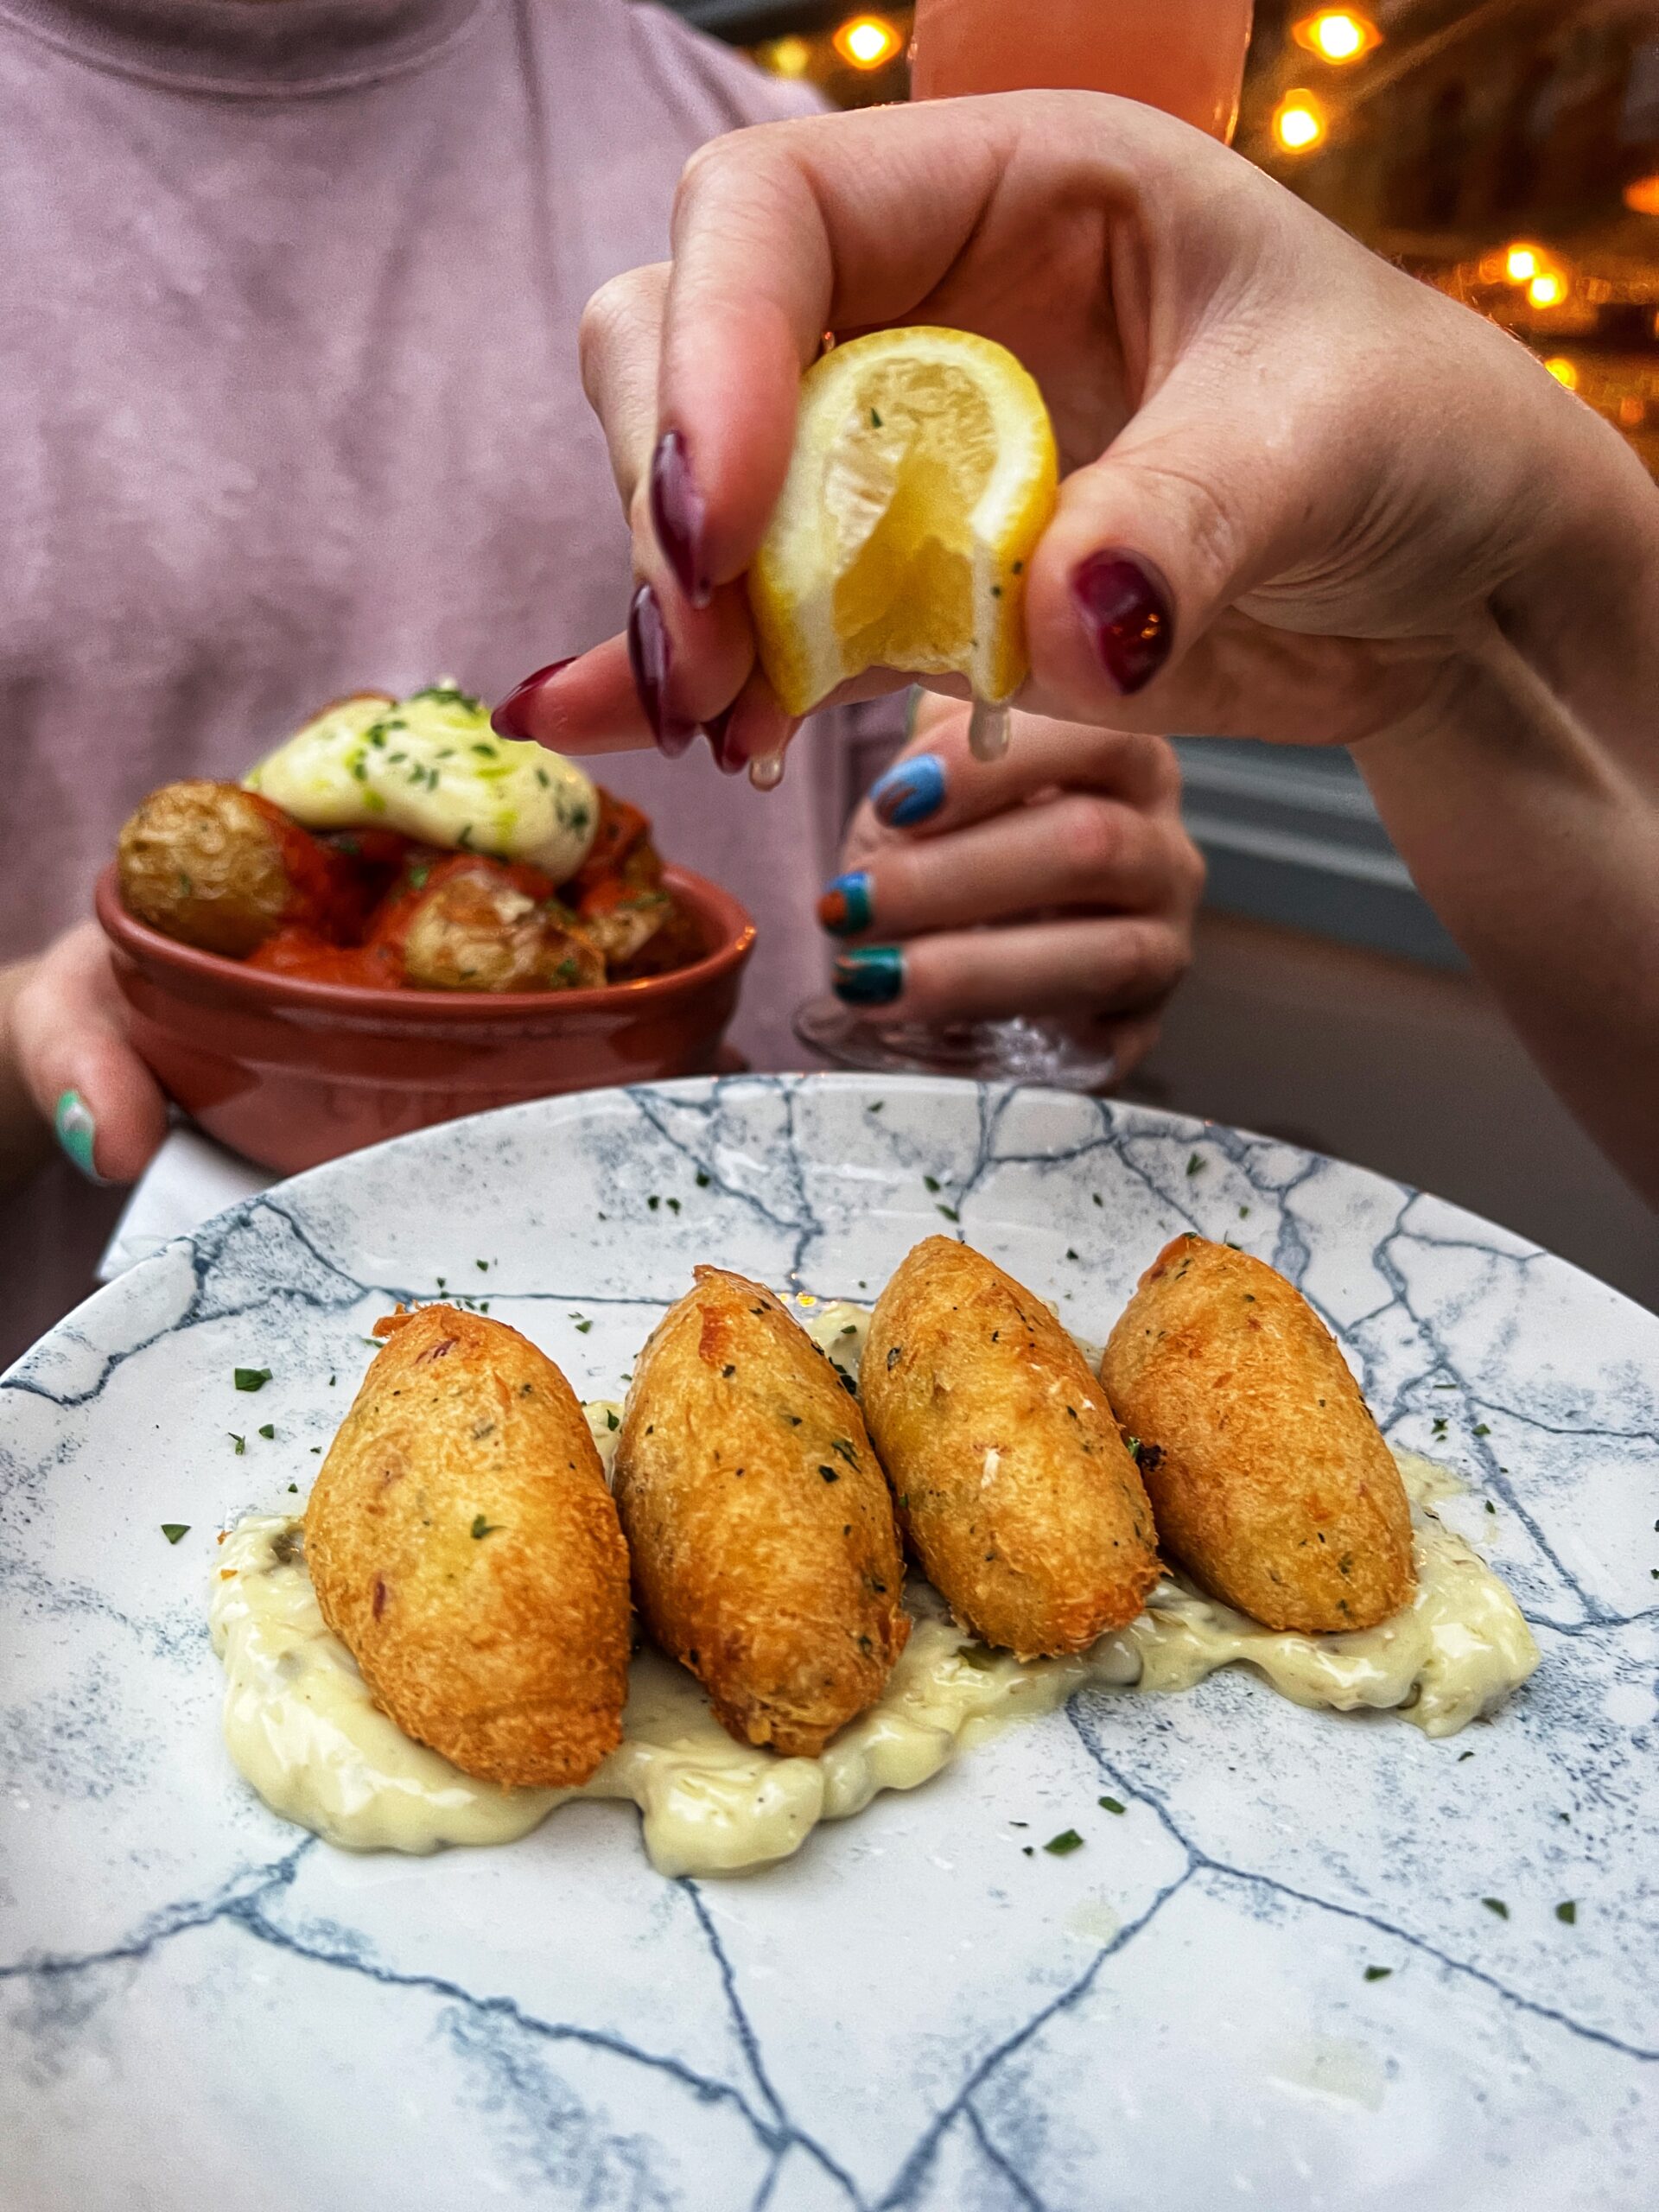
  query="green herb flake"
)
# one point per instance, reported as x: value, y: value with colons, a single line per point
x: 267, y: 1431
x: 829, y: 1474
x: 932, y: 1182
x: 240, y: 1442
x: 1378, y: 1973
x: 254, y: 1378
x: 174, y: 1529
x: 582, y: 1324
x: 483, y: 1266
x: 950, y: 1212
x: 1567, y: 1913
x: 1195, y: 1164
x: 1070, y: 1254
x: 1481, y: 1429
x: 612, y: 1422
x: 673, y: 1205
x: 1439, y: 1425
x: 482, y: 1528
x: 653, y: 1201
x: 704, y: 1179
x: 1110, y: 1805
x: 1062, y: 1845
x: 1132, y: 1445
x: 1496, y: 1905
x: 292, y: 1489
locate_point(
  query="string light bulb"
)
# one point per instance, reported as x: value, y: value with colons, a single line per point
x: 1298, y: 122
x: 1564, y: 372
x: 1547, y: 290
x: 1521, y: 264
x: 868, y: 42
x: 787, y: 57
x: 1641, y: 195
x: 1339, y: 36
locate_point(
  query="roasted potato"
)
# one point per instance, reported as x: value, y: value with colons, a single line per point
x: 1269, y: 1480
x: 469, y: 923
x: 1015, y: 1491
x: 465, y: 1548
x: 758, y: 1520
x: 220, y: 868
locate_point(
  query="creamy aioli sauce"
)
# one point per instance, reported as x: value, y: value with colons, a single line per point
x: 302, y: 1727
x: 433, y: 768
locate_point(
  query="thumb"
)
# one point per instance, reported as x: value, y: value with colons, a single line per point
x: 68, y: 1033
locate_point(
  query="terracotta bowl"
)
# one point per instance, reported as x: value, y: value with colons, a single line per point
x: 293, y: 1073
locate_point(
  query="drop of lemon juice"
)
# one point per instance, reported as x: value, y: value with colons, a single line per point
x: 988, y: 730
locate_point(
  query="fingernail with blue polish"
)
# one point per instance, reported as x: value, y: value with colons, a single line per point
x: 77, y: 1132
x: 911, y: 791
x: 872, y: 975
x: 846, y: 905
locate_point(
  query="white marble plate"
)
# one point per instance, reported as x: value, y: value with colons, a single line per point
x: 200, y: 2006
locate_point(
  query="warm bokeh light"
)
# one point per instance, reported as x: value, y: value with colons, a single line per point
x: 1339, y: 34
x: 1521, y: 264
x: 866, y: 41
x: 1641, y: 195
x: 1547, y: 290
x: 1563, y: 372
x: 787, y: 57
x: 1632, y: 410
x: 1298, y: 122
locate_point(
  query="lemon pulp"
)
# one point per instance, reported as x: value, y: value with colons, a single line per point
x: 923, y: 474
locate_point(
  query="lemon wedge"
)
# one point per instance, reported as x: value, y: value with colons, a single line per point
x: 923, y: 474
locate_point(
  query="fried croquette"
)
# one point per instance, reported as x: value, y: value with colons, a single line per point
x: 1269, y: 1480
x: 222, y: 868
x: 465, y: 1548
x: 1015, y: 1491
x: 758, y: 1519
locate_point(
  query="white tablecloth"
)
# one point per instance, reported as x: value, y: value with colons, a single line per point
x: 190, y: 1180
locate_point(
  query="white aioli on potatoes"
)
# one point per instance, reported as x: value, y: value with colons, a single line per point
x: 302, y: 1727
x: 432, y: 767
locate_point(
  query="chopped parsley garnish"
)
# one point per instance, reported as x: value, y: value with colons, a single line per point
x: 829, y: 1474
x: 483, y: 1266
x: 653, y: 1201
x: 268, y: 1430
x: 704, y: 1179
x: 1440, y: 1424
x: 252, y: 1378
x: 1062, y: 1845
x: 875, y: 419
x: 1110, y: 1805
x: 483, y: 1527
x: 1567, y: 1913
x: 1070, y: 1254
x: 174, y: 1529
x: 1378, y: 1973
x: 612, y: 1420
x: 950, y: 1212
x: 894, y: 1356
x: 582, y: 1324
x: 839, y: 1444
x: 1496, y: 1905
x: 932, y: 1182
x: 1481, y: 1429
x: 1132, y: 1445
x: 292, y: 1489
x: 240, y: 1442
x: 1195, y: 1164
x: 673, y: 1205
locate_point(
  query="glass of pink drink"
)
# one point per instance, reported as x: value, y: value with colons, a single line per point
x: 1187, y: 57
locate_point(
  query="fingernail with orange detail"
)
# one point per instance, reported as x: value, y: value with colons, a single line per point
x: 846, y: 905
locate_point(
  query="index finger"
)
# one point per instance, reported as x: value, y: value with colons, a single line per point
x: 781, y: 233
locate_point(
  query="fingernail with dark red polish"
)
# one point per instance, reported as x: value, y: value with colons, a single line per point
x: 728, y: 758
x: 676, y: 516
x: 651, y: 659
x: 509, y: 719
x: 1125, y: 607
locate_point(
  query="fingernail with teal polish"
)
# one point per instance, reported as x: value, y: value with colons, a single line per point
x: 872, y: 975
x: 845, y: 906
x: 910, y: 792
x: 77, y: 1132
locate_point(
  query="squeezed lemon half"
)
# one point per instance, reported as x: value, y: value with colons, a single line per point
x: 923, y: 474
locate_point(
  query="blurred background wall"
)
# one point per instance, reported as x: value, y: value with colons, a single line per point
x: 1506, y: 151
